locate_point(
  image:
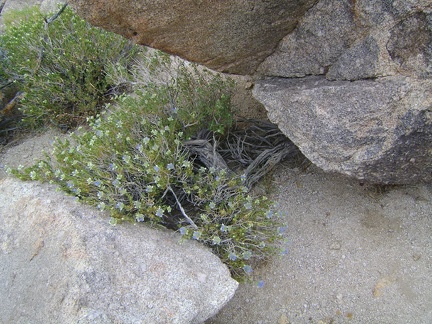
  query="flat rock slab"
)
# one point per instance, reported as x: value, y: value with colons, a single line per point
x: 376, y: 130
x: 229, y: 36
x: 61, y: 262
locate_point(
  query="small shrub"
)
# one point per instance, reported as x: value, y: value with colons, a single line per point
x: 61, y: 66
x: 132, y: 163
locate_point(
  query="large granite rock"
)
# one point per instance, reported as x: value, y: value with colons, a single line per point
x: 379, y: 131
x: 379, y: 128
x: 61, y: 262
x: 352, y: 40
x: 230, y: 36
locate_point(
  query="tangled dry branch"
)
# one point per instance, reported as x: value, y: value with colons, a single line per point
x: 254, y: 147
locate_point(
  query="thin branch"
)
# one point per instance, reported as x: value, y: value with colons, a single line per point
x: 182, y: 210
x: 2, y: 4
x: 55, y: 16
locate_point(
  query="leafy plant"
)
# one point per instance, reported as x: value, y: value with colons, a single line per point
x: 133, y: 162
x: 61, y: 65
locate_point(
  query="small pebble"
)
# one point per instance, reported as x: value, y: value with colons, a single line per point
x: 335, y: 246
x: 283, y: 319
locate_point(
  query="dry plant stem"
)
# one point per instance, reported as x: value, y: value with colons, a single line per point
x: 259, y: 148
x: 266, y: 161
x: 190, y: 221
x: 206, y: 153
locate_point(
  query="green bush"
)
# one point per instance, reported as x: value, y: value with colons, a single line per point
x: 60, y: 66
x: 132, y: 162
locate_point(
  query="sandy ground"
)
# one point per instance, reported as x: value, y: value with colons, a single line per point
x: 355, y: 254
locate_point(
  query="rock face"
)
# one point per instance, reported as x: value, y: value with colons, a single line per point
x: 62, y: 262
x: 229, y: 36
x: 377, y: 128
x: 380, y: 131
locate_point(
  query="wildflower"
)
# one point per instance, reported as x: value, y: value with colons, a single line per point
x: 97, y: 183
x: 248, y: 205
x: 248, y: 269
x: 284, y: 251
x: 282, y: 229
x: 170, y: 166
x: 101, y: 206
x: 223, y: 228
x: 183, y: 230
x: 260, y: 284
x: 139, y: 217
x: 269, y: 214
x: 247, y: 255
x: 196, y: 235
x: 243, y: 177
x: 146, y: 140
x: 33, y: 175
x: 116, y: 183
x: 100, y: 194
x: 137, y: 204
x: 159, y: 212
x: 216, y: 240
x: 120, y: 206
x: 156, y: 168
x: 232, y: 257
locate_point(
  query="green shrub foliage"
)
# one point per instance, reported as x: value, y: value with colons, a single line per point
x: 60, y: 66
x: 131, y: 159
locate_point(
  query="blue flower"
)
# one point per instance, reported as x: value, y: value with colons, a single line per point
x: 156, y: 168
x: 170, y: 166
x: 183, y: 230
x: 139, y: 217
x: 243, y: 177
x: 159, y: 212
x: 260, y: 284
x: 247, y: 255
x: 97, y: 183
x: 116, y: 183
x: 248, y: 205
x: 196, y: 235
x: 120, y: 206
x: 284, y: 251
x: 101, y: 206
x: 232, y: 257
x: 216, y: 240
x: 223, y: 228
x: 282, y: 229
x: 248, y: 269
x: 269, y: 214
